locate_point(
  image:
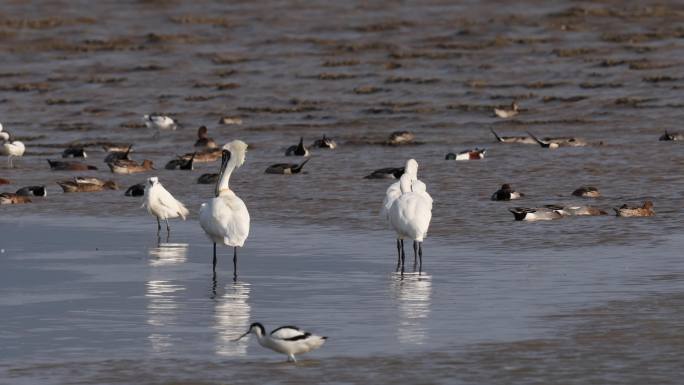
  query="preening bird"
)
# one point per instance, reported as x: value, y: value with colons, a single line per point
x: 160, y: 203
x: 410, y: 214
x: 289, y: 340
x: 225, y: 218
x: 10, y: 147
x: 298, y: 150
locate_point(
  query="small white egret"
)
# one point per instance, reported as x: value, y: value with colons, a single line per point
x: 160, y: 203
x: 10, y: 147
x: 288, y: 340
x: 225, y: 218
x: 393, y: 192
x: 410, y: 216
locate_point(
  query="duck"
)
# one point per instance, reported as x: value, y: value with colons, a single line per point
x: 298, y: 150
x: 81, y: 184
x: 5, y: 181
x: 587, y: 192
x: 204, y: 141
x: 69, y: 165
x: 507, y: 112
x: 160, y: 122
x: 204, y: 156
x: 137, y: 190
x: 181, y: 163
x: 13, y: 199
x: 646, y: 210
x: 124, y: 154
x: 545, y: 213
x: 74, y: 152
x: 513, y: 139
x: 400, y: 137
x: 209, y: 178
x: 37, y: 191
x: 386, y: 173
x: 130, y: 166
x: 286, y: 168
x: 10, y: 147
x: 671, y: 136
x: 324, y: 142
x: 506, y: 193
x: 554, y: 143
x: 584, y: 211
x: 289, y: 340
x: 475, y: 154
x: 116, y: 147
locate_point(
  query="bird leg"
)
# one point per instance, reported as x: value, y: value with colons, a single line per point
x: 214, y: 257
x: 403, y: 256
x: 168, y: 229
x: 291, y: 358
x: 415, y: 255
x: 420, y: 255
x: 235, y: 263
x: 398, y: 254
x: 158, y: 226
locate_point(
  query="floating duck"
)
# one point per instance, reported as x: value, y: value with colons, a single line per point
x: 36, y: 191
x: 545, y: 213
x: 671, y: 136
x: 203, y: 140
x: 210, y: 178
x: 119, y: 155
x: 583, y: 211
x: 386, y: 173
x: 298, y: 150
x: 646, y: 210
x: 513, y: 139
x: 130, y: 166
x: 204, y: 156
x: 475, y: 154
x: 324, y: 142
x: 137, y: 190
x: 559, y: 142
x: 181, y: 163
x: 112, y: 147
x: 286, y: 168
x: 13, y: 199
x: 289, y: 340
x: 74, y: 152
x: 506, y: 193
x: 5, y: 181
x: 62, y: 165
x: 81, y: 184
x: 587, y: 192
x: 400, y: 137
x: 507, y: 112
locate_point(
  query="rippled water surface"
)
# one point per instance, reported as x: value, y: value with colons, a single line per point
x: 89, y: 296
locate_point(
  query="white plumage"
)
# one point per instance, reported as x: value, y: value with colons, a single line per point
x: 159, y: 122
x: 289, y: 340
x: 161, y: 204
x: 410, y: 213
x: 225, y: 218
x: 10, y: 148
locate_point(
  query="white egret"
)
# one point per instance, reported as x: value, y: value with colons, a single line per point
x: 225, y: 218
x: 160, y: 203
x: 394, y: 191
x: 410, y: 215
x: 288, y: 340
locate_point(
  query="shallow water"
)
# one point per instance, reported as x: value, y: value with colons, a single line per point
x: 500, y: 301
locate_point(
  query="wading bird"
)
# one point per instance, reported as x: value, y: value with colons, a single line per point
x: 225, y: 218
x: 10, y: 147
x: 289, y: 340
x: 160, y: 203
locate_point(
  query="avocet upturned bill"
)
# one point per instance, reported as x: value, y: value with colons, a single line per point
x: 289, y: 340
x: 161, y: 204
x: 225, y: 218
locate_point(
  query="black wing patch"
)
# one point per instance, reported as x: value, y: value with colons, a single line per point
x: 299, y: 337
x: 284, y: 327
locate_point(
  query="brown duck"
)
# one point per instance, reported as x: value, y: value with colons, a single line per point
x: 69, y: 166
x: 646, y: 210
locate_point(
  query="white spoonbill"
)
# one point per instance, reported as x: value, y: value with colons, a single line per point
x: 394, y: 191
x: 160, y: 203
x: 288, y: 340
x: 10, y: 147
x: 225, y: 218
x: 410, y: 216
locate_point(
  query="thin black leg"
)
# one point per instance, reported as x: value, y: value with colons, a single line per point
x: 398, y: 254
x: 415, y: 255
x: 168, y: 229
x: 420, y: 255
x: 235, y: 263
x: 403, y: 256
x: 214, y: 257
x: 158, y: 225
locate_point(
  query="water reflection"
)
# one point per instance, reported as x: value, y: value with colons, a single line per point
x: 231, y: 318
x: 162, y: 294
x: 412, y: 294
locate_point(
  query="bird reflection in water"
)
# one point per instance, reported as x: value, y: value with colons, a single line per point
x: 231, y: 317
x: 162, y: 294
x: 412, y: 294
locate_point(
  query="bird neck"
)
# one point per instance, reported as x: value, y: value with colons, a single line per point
x: 405, y: 183
x: 222, y: 187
